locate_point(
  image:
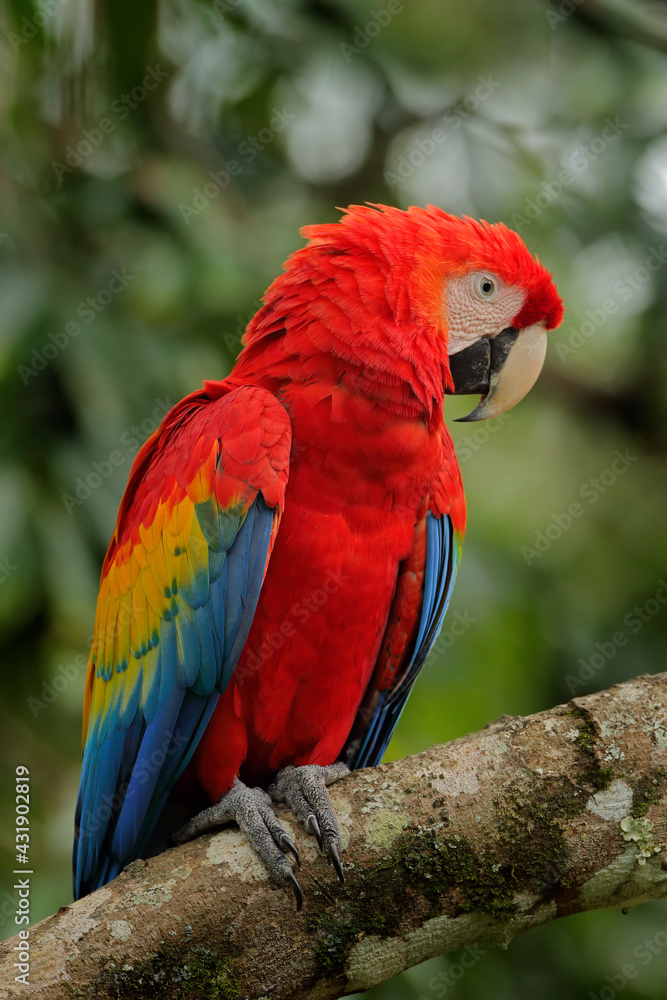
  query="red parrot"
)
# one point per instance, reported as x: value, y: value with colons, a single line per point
x: 289, y: 537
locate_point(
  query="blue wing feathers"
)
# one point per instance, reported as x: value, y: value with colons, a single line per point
x: 381, y: 710
x: 132, y: 761
x: 208, y: 664
x: 237, y: 580
x: 258, y: 543
x: 151, y: 692
x: 144, y: 776
x: 188, y: 644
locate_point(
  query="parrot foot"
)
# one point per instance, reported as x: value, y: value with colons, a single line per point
x: 304, y: 791
x: 251, y: 809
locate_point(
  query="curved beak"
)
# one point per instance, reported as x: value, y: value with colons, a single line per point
x: 503, y: 368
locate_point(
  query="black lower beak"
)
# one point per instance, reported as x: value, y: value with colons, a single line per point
x: 473, y: 367
x: 502, y: 368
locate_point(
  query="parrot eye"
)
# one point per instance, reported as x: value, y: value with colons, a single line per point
x: 485, y: 286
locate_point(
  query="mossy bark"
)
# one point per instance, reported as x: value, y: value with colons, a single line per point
x: 532, y: 819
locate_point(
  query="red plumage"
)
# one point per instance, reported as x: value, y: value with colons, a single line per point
x: 345, y: 341
x: 349, y: 356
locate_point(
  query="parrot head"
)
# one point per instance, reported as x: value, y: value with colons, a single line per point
x: 447, y: 304
x: 499, y: 303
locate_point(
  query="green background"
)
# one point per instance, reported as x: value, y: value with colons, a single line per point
x: 478, y: 108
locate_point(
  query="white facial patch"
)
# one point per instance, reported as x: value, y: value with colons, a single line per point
x: 479, y: 304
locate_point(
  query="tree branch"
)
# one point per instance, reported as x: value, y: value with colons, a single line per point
x: 532, y: 819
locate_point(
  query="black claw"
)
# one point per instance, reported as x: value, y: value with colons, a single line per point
x: 296, y: 889
x: 288, y: 844
x: 314, y: 827
x: 335, y: 860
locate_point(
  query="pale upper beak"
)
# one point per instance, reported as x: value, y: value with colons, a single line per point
x: 503, y: 368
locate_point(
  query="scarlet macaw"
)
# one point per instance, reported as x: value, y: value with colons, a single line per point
x: 289, y: 536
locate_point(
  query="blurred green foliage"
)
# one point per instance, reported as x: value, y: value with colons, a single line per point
x: 156, y: 163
